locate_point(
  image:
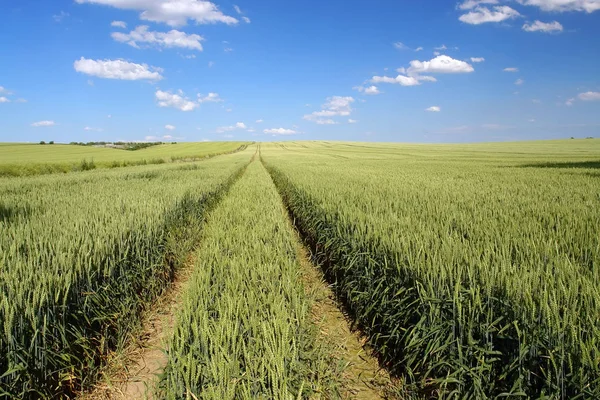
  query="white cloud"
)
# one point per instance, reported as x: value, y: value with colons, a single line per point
x: 482, y: 15
x: 335, y: 106
x: 88, y: 128
x: 20, y: 101
x: 434, y: 109
x: 477, y: 59
x: 167, y: 137
x: 211, y: 64
x: 119, y: 24
x: 371, y: 90
x: 439, y: 65
x: 442, y: 47
x: 588, y: 6
x: 169, y: 127
x: 538, y: 26
x: 246, y: 20
x: 171, y: 12
x: 117, y: 69
x: 531, y: 120
x: 400, y: 46
x: 167, y: 99
x: 43, y: 123
x: 4, y: 90
x: 189, y: 56
x: 589, y: 96
x: 61, y: 16
x: 352, y: 121
x: 174, y: 38
x: 519, y: 81
x: 419, y: 48
x: 259, y: 121
x: 511, y: 69
x: 210, y: 98
x: 470, y: 4
x: 436, y: 53
x: 4, y: 100
x: 400, y: 79
x: 280, y: 131
x: 237, y: 9
x: 239, y: 125
x: 570, y: 102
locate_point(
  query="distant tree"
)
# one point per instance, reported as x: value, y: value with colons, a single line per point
x: 572, y: 137
x: 51, y: 142
x: 42, y: 142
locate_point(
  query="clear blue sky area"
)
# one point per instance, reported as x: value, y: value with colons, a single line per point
x: 381, y: 70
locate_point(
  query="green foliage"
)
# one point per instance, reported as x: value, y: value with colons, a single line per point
x: 473, y: 276
x: 26, y: 159
x: 244, y: 331
x: 81, y: 255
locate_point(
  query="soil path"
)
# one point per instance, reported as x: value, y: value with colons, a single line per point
x: 363, y: 379
x: 134, y: 374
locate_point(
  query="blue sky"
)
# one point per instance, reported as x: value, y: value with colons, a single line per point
x: 402, y: 71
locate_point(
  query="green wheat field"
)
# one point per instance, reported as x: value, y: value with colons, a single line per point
x: 473, y: 270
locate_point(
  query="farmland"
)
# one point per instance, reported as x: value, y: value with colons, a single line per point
x: 472, y: 270
x: 33, y: 159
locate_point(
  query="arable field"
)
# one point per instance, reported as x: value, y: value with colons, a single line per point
x: 471, y: 270
x: 33, y: 159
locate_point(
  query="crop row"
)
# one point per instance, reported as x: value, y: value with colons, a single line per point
x: 471, y: 280
x: 81, y: 255
x: 244, y: 330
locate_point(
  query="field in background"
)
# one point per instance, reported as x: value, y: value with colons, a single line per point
x: 473, y: 269
x: 33, y: 159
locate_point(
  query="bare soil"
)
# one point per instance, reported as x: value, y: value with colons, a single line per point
x: 134, y: 373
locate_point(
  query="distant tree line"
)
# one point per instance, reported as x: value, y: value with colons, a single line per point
x: 131, y: 146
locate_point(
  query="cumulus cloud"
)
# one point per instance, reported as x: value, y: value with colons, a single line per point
x: 481, y: 15
x: 43, y: 123
x: 400, y: 79
x: 400, y: 46
x: 352, y: 121
x: 259, y: 121
x: 477, y: 59
x: 570, y: 102
x: 442, y: 47
x: 439, y: 65
x: 4, y: 100
x: 511, y: 69
x: 119, y: 24
x: 170, y: 127
x: 210, y: 98
x: 588, y: 6
x: 433, y: 109
x: 280, y: 131
x: 141, y: 36
x: 470, y: 4
x: 519, y: 81
x: 547, y: 27
x: 117, y: 69
x: 237, y: 126
x: 589, y: 96
x: 335, y: 106
x: 171, y: 12
x: 4, y: 90
x: 371, y: 90
x: 412, y: 75
x: 89, y: 128
x: 246, y: 20
x: 179, y: 101
x: 419, y: 48
x: 237, y: 9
